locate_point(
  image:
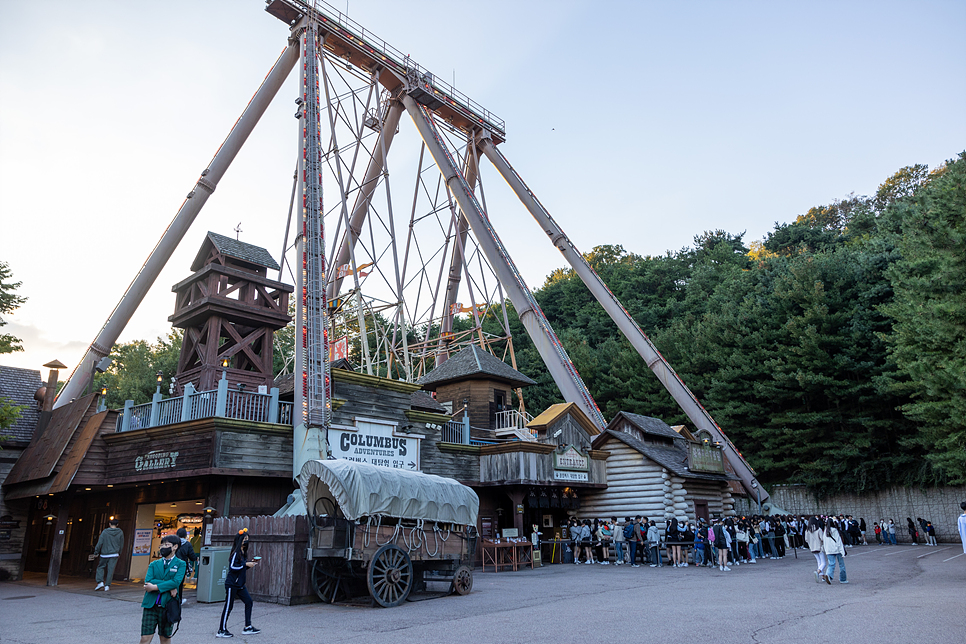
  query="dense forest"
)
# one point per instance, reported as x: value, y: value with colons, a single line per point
x: 832, y: 352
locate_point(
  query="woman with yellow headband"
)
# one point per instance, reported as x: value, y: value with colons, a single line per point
x: 238, y: 566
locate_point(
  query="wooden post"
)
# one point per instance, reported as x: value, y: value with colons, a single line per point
x: 517, y: 497
x: 57, y: 548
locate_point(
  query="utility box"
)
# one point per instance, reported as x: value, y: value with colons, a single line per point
x: 212, y: 571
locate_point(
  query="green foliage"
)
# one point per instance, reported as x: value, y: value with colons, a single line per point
x: 928, y: 339
x: 9, y: 302
x: 133, y: 373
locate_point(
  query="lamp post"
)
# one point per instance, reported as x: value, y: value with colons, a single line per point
x: 754, y: 484
x: 160, y: 378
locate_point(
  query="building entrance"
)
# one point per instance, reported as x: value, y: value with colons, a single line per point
x: 156, y: 521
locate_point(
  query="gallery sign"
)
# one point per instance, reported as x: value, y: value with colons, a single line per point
x: 375, y: 443
x: 156, y: 460
x: 571, y: 459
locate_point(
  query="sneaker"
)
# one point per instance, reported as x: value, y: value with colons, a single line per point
x: 223, y: 634
x: 183, y: 600
x: 635, y: 565
x: 589, y: 563
x: 251, y: 630
x: 844, y: 582
x: 653, y: 565
x: 817, y: 580
x: 753, y: 561
x: 721, y: 568
x: 827, y: 580
x: 685, y: 564
x: 726, y: 568
x: 106, y: 588
x: 99, y: 585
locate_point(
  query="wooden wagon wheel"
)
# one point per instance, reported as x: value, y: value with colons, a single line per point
x: 462, y: 581
x: 329, y: 586
x: 390, y: 576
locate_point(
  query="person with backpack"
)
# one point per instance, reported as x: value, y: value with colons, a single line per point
x: 185, y: 553
x: 628, y: 532
x: 779, y: 541
x: 654, y: 545
x: 722, y: 541
x: 585, y: 541
x: 619, y: 540
x: 161, y: 583
x: 605, y: 535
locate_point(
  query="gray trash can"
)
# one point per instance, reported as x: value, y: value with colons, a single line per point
x: 212, y: 570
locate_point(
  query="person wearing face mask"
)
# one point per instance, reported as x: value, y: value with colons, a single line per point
x: 161, y: 583
x: 238, y: 566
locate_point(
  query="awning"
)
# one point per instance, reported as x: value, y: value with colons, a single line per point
x: 361, y: 489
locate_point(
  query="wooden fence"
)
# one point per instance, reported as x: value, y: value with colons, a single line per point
x: 283, y: 576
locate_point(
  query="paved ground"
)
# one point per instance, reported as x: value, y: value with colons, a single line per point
x: 896, y: 594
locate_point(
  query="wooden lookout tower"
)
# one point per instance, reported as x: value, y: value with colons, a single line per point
x: 229, y: 311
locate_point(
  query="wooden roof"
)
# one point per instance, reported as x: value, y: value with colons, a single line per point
x: 235, y: 249
x: 646, y: 424
x: 473, y: 363
x: 19, y: 385
x: 672, y: 457
x: 553, y: 413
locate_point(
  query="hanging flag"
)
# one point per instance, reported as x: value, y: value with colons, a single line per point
x: 339, y: 349
x: 345, y: 270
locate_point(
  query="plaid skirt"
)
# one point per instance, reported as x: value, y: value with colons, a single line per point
x: 151, y: 621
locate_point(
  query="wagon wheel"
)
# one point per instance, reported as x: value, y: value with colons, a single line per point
x: 390, y: 576
x: 329, y: 586
x: 462, y: 581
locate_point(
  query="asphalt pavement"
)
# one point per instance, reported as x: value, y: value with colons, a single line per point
x: 895, y: 594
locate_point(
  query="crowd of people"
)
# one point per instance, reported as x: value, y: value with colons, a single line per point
x: 727, y: 541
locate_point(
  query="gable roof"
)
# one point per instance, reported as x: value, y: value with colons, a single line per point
x: 422, y: 400
x: 235, y: 249
x: 553, y: 413
x: 672, y: 457
x: 473, y: 362
x: 19, y: 386
x: 647, y: 424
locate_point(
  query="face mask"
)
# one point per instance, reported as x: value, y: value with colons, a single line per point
x: 165, y: 552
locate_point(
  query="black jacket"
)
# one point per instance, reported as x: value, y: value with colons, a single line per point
x: 186, y: 552
x: 237, y: 570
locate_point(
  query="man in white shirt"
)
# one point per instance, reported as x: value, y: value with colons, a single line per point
x: 962, y: 524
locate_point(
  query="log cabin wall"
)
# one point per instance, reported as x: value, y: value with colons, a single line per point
x: 480, y: 395
x: 709, y: 492
x: 635, y: 486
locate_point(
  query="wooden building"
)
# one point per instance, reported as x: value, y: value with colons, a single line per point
x: 654, y: 472
x: 17, y: 387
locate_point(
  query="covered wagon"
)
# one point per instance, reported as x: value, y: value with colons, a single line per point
x: 386, y: 531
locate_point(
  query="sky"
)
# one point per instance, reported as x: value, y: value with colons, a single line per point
x: 635, y: 123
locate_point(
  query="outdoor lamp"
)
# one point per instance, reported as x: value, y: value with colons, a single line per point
x: 224, y: 363
x: 160, y: 377
x: 50, y: 518
x: 103, y: 390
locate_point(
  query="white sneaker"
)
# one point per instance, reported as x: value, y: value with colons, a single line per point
x: 99, y: 585
x: 726, y: 568
x: 106, y: 588
x: 721, y: 568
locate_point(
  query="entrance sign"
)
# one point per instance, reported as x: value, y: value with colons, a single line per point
x: 703, y: 458
x: 377, y: 443
x: 142, y: 542
x: 570, y: 476
x: 571, y: 459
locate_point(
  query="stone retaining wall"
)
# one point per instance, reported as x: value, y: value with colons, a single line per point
x: 938, y: 505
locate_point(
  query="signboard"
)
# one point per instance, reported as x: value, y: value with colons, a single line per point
x: 155, y: 460
x: 570, y: 476
x: 142, y: 542
x: 339, y: 349
x: 571, y: 459
x: 705, y: 458
x: 375, y: 443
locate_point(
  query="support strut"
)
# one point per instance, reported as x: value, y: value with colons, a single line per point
x: 547, y: 343
x: 176, y: 230
x: 688, y: 402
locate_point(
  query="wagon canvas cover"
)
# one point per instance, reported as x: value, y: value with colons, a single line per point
x: 361, y: 489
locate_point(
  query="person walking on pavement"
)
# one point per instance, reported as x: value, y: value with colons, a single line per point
x: 161, y: 583
x: 814, y: 539
x: 108, y: 548
x: 186, y: 553
x: 238, y: 566
x: 962, y: 524
x: 835, y: 551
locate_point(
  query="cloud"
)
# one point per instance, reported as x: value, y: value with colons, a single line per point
x: 40, y: 349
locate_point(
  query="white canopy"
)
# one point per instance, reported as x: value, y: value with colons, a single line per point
x: 361, y: 489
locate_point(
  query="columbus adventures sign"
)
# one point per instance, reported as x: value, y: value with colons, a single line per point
x: 375, y: 443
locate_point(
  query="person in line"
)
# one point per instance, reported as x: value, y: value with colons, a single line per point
x: 892, y: 533
x: 779, y: 541
x: 161, y: 583
x: 605, y: 535
x: 768, y: 528
x: 186, y: 553
x: 238, y: 566
x: 108, y: 548
x: 814, y: 539
x: 639, y: 540
x: 619, y: 541
x: 835, y: 551
x: 741, y: 536
x: 722, y: 541
x: 862, y: 530
x: 574, y: 530
x: 962, y: 524
x: 913, y: 533
x: 654, y: 545
x: 585, y: 541
x: 699, y: 541
x: 672, y: 534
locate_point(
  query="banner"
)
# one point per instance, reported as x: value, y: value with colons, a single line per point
x: 142, y: 542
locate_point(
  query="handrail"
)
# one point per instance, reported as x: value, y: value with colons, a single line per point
x: 196, y: 405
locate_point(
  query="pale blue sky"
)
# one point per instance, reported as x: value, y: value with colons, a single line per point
x: 639, y: 123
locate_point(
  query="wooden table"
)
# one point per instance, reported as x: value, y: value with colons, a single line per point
x: 507, y: 555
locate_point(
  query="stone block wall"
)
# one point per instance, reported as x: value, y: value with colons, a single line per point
x: 938, y: 505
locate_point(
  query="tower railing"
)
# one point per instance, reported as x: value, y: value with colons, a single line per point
x: 215, y: 403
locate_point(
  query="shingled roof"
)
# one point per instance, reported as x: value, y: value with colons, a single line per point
x: 19, y: 386
x: 236, y: 250
x: 647, y: 424
x: 672, y: 457
x: 473, y: 362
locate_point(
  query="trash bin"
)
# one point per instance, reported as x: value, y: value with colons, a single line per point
x: 212, y: 570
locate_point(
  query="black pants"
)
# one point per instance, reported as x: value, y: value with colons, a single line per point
x: 230, y: 595
x: 780, y: 546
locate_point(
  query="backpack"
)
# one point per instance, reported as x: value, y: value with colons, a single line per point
x: 629, y: 531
